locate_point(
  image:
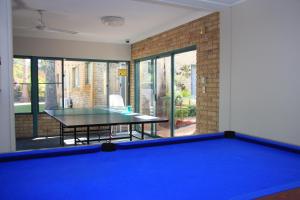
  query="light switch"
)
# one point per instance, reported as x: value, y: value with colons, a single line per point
x: 203, y: 89
x: 203, y: 80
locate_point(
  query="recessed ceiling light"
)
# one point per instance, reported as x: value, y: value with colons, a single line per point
x: 112, y: 20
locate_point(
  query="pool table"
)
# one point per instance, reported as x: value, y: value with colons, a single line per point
x: 208, y: 166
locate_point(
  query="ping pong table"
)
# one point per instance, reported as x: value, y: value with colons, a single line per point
x: 93, y: 120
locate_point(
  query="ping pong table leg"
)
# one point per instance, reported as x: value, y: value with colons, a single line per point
x: 142, y: 131
x: 110, y: 132
x: 130, y: 131
x: 61, y: 134
x: 75, y: 136
x: 88, y: 135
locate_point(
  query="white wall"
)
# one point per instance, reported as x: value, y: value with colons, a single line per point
x: 7, y: 132
x: 265, y: 70
x: 70, y: 49
x: 225, y: 69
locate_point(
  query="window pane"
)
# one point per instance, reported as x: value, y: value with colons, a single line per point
x: 21, y: 70
x: 185, y: 93
x: 50, y: 71
x: 75, y: 77
x: 88, y: 72
x: 22, y: 86
x: 163, y: 90
x: 146, y: 86
x: 49, y: 79
x: 22, y: 96
x: 118, y: 82
x: 78, y: 93
x: 50, y: 96
x: 100, y: 84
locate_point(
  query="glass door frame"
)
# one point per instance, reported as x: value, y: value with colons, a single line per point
x: 154, y: 64
x: 137, y: 90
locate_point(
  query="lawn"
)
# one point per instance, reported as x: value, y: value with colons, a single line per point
x: 26, y: 108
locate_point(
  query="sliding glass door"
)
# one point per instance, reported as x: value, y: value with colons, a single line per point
x: 154, y: 93
x: 146, y: 91
x: 163, y: 95
x: 185, y: 93
x: 166, y: 87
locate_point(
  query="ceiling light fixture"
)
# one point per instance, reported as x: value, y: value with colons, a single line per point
x: 112, y: 20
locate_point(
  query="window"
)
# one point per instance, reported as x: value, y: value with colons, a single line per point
x: 49, y: 84
x: 118, y: 79
x: 22, y: 85
x: 93, y: 74
x: 88, y: 72
x: 167, y: 89
x: 75, y: 77
x: 38, y: 85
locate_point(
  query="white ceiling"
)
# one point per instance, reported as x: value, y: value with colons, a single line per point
x: 143, y: 18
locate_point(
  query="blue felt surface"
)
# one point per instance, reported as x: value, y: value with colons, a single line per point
x: 208, y: 169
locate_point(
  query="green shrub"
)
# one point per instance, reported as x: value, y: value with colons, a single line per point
x: 178, y: 100
x: 182, y: 112
x: 192, y: 110
x: 185, y: 93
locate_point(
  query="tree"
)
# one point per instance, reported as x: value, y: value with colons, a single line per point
x: 50, y: 91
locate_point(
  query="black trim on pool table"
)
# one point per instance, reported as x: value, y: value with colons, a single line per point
x: 229, y: 134
x: 108, y: 147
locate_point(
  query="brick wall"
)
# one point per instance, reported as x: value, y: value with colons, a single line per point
x: 81, y: 95
x: 205, y: 34
x: 99, y: 84
x: 23, y: 126
x: 46, y: 126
